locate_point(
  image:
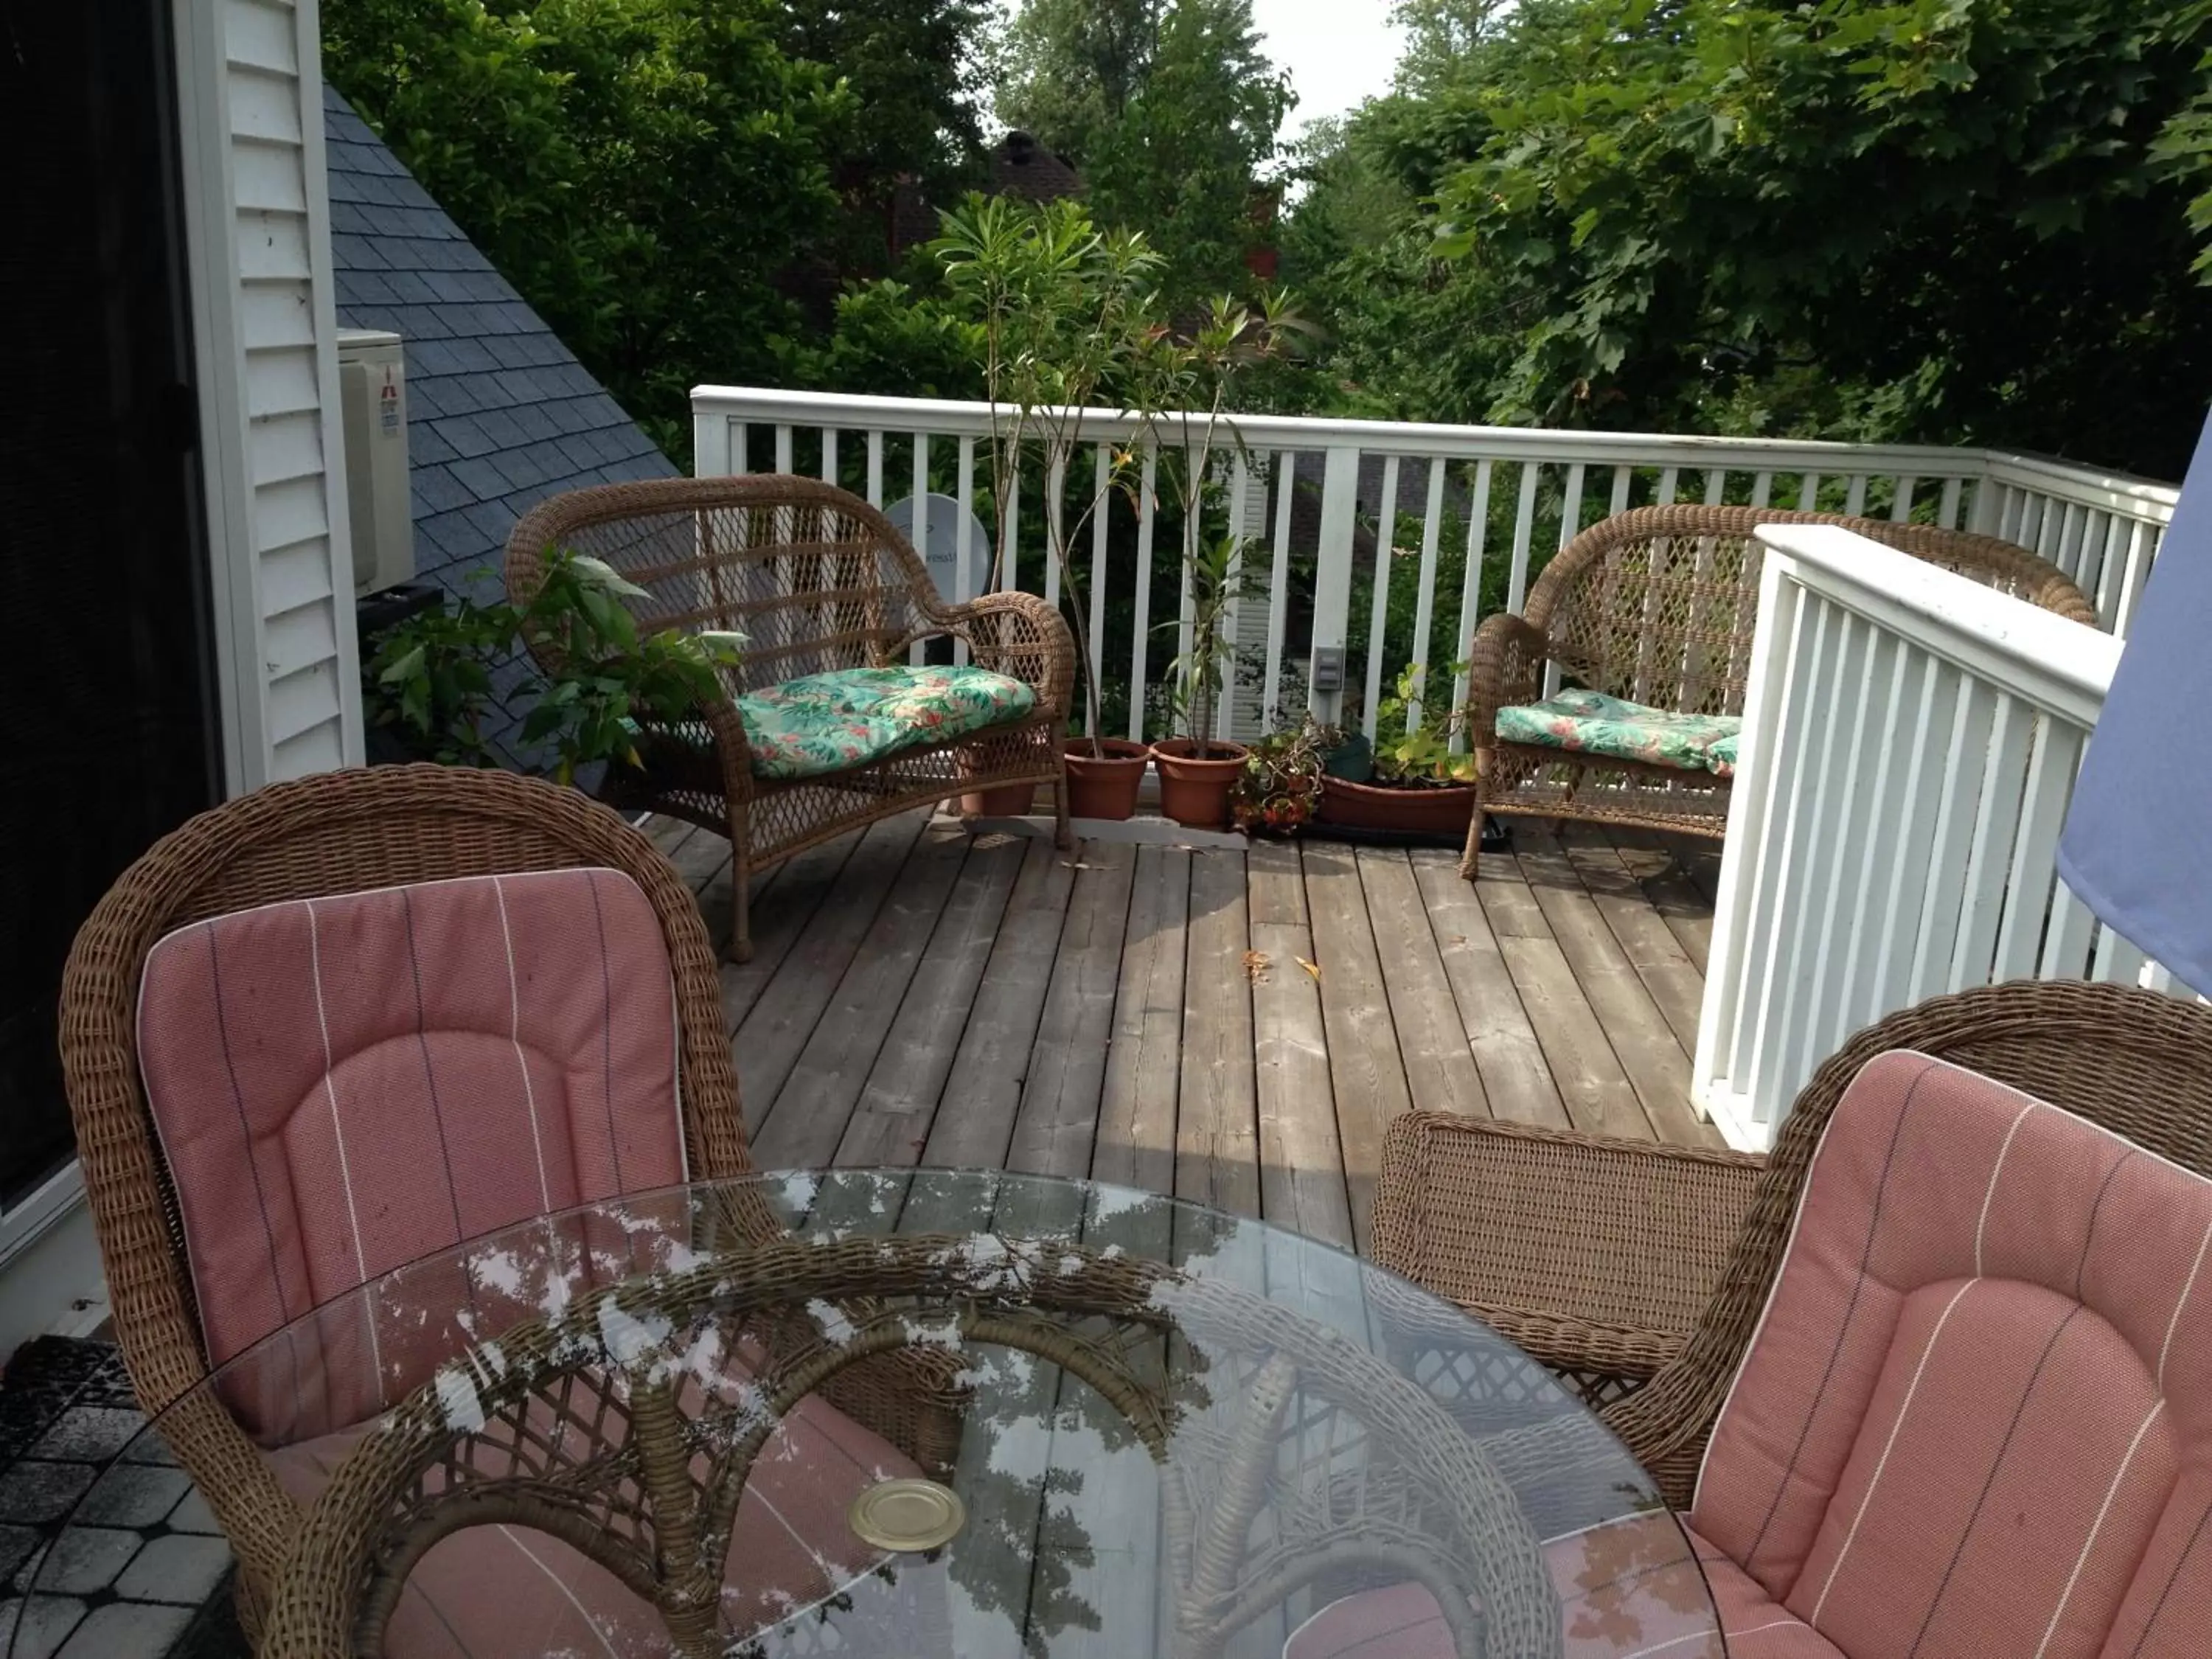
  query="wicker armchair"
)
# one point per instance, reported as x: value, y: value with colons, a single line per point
x: 817, y: 580
x: 1657, y: 606
x: 1638, y: 1272
x: 336, y: 832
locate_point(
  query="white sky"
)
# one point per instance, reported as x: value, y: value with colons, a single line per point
x: 1338, y: 52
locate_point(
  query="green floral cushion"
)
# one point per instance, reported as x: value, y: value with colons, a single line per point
x: 850, y: 716
x: 1592, y: 723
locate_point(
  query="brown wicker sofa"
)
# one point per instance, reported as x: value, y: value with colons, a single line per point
x: 817, y: 580
x: 1657, y: 606
x: 1638, y: 1272
x: 337, y: 833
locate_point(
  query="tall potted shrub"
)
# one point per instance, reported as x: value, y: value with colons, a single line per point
x: 1064, y: 307
x: 1184, y: 384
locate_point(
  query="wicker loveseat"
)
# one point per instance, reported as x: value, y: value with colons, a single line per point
x: 831, y: 599
x: 1648, y: 617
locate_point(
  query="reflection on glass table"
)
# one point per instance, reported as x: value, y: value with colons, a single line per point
x: 937, y: 1413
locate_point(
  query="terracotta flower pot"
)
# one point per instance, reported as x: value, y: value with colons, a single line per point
x: 1105, y: 786
x: 1195, y: 793
x: 1008, y: 800
x: 1441, y: 812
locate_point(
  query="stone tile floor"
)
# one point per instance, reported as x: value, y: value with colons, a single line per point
x: 144, y: 1573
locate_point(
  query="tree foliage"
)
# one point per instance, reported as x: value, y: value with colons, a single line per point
x: 1963, y: 221
x: 1170, y: 109
x: 667, y: 180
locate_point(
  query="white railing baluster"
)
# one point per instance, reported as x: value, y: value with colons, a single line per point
x: 1571, y: 511
x: 1424, y: 608
x: 1470, y: 585
x: 1624, y: 478
x: 1809, y: 499
x: 875, y: 469
x: 710, y: 445
x: 1670, y: 487
x: 964, y: 547
x: 1285, y: 475
x: 2133, y: 570
x: 1900, y: 510
x: 1934, y: 711
x: 1147, y: 511
x: 1959, y: 793
x: 1854, y: 496
x: 1716, y: 486
x: 1997, y: 820
x: 1891, y: 678
x: 1331, y: 616
x: 1102, y: 483
x: 917, y: 652
x: 1524, y: 525
x: 1378, y: 607
x: 1224, y: 720
x: 738, y: 466
x: 1946, y: 511
x: 2055, y: 755
x: 829, y: 454
x: 783, y: 448
x: 1056, y: 510
x: 1762, y: 488
x: 1010, y: 533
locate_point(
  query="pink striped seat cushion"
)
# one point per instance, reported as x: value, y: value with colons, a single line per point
x: 1976, y: 1420
x: 510, y: 1592
x: 1631, y: 1588
x: 342, y: 1085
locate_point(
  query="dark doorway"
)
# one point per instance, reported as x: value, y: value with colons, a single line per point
x: 104, y: 591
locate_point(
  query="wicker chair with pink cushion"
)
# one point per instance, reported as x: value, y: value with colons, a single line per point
x: 1950, y: 1392
x: 337, y: 1024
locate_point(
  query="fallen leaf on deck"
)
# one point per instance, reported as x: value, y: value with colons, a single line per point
x: 1456, y: 938
x: 1313, y: 967
x: 1256, y: 963
x: 1076, y: 864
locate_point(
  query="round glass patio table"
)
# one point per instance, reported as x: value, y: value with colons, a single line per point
x: 917, y: 1412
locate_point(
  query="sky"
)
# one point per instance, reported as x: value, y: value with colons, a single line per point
x: 1338, y: 52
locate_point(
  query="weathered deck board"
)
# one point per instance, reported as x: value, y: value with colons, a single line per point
x: 1301, y: 1160
x: 1364, y: 1061
x: 1515, y: 1078
x: 1137, y: 1115
x: 891, y: 1124
x: 1138, y: 1012
x: 1658, y: 1067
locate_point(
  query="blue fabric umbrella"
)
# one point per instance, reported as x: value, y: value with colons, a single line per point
x: 2138, y: 847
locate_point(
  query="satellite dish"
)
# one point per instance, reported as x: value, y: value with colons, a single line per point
x: 940, y: 547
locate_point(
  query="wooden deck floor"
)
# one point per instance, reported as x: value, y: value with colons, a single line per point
x: 1230, y: 1026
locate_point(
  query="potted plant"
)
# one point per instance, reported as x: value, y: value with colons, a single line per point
x: 429, y: 680
x: 1417, y: 785
x: 1198, y: 769
x: 1063, y: 306
x: 1279, y: 786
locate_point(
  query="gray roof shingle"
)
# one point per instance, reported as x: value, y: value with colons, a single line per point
x: 501, y: 414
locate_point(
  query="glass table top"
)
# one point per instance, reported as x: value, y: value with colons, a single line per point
x: 921, y: 1411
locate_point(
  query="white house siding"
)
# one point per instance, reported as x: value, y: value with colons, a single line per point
x: 258, y: 215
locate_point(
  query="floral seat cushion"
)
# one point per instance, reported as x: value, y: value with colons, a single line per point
x: 821, y: 723
x: 1589, y: 722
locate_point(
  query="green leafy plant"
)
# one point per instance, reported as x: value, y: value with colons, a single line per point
x: 1215, y: 578
x: 1279, y: 789
x: 1414, y: 736
x: 430, y: 680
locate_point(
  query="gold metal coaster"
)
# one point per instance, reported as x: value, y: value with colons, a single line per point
x: 910, y: 1515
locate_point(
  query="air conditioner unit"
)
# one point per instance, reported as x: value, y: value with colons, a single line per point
x: 372, y: 397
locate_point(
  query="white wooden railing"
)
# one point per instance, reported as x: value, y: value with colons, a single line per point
x: 1480, y: 508
x: 1910, y: 742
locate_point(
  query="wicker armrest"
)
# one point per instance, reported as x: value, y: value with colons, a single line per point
x: 1022, y: 635
x: 1596, y: 1257
x: 1504, y: 666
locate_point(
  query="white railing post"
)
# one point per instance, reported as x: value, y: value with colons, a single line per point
x: 1332, y: 602
x: 1815, y: 930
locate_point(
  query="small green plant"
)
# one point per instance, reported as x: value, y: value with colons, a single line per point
x: 430, y: 679
x: 1414, y: 736
x: 1279, y: 788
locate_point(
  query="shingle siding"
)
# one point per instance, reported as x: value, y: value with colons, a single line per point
x: 501, y: 414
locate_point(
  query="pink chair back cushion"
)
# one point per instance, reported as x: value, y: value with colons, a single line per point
x: 1975, y: 1417
x: 342, y: 1085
